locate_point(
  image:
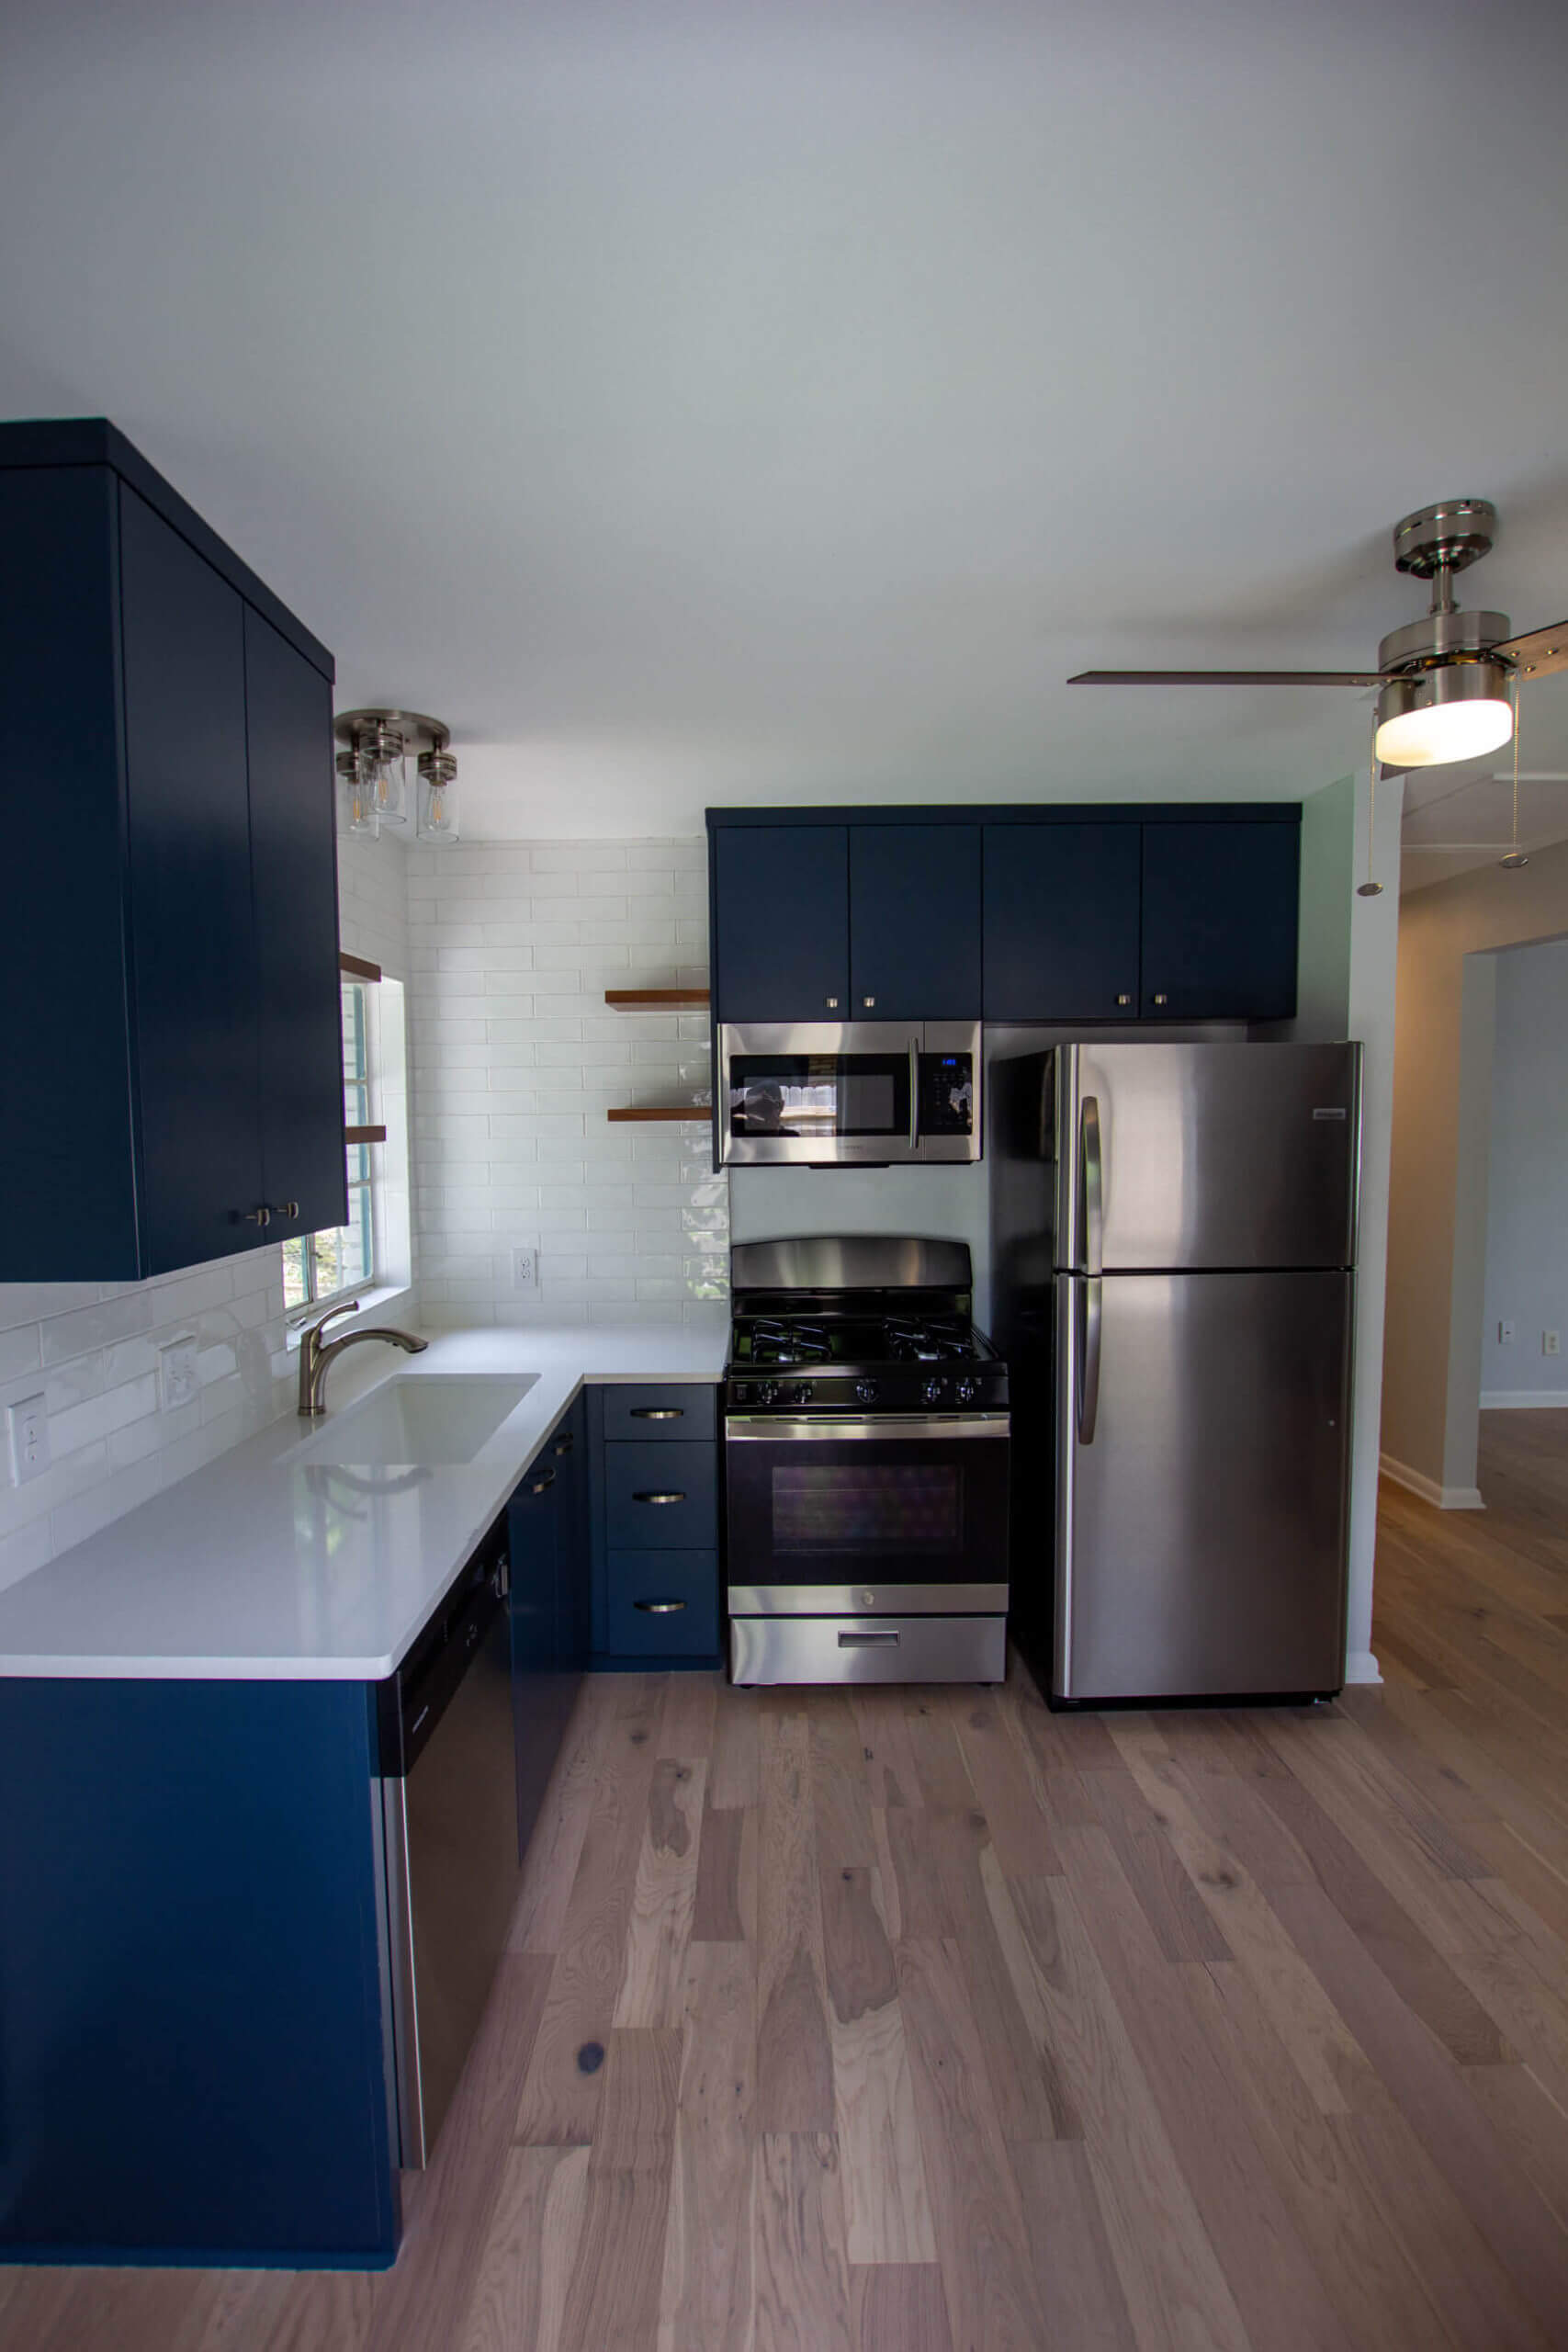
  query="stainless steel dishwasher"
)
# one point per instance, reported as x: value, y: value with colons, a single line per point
x: 448, y: 1795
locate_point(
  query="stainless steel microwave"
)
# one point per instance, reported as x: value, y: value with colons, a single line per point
x: 851, y: 1093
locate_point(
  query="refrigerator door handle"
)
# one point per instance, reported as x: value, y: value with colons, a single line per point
x: 1089, y: 1360
x: 1091, y: 1177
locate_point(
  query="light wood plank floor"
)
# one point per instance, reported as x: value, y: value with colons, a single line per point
x: 925, y: 2021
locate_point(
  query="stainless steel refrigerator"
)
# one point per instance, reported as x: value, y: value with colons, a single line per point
x: 1173, y: 1248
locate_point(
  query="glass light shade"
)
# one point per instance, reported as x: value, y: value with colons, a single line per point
x: 390, y: 774
x: 358, y: 799
x: 1457, y: 713
x: 437, y: 797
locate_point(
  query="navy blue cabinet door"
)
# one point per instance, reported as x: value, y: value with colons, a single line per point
x: 1061, y: 933
x: 193, y: 943
x: 288, y: 729
x: 782, y: 948
x: 1220, y: 904
x: 67, y: 1163
x: 533, y: 1539
x: 915, y: 922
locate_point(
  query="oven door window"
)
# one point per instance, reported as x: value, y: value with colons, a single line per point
x: 832, y: 1511
x: 818, y: 1094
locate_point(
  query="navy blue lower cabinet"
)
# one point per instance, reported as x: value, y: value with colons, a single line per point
x: 663, y: 1604
x: 660, y: 1496
x: 548, y: 1601
x: 652, y: 1453
x: 192, y: 2063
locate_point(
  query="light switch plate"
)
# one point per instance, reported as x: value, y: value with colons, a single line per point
x: 177, y: 1380
x: 1506, y: 1332
x: 27, y: 1424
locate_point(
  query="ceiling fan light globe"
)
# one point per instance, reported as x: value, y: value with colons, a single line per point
x: 1461, y: 712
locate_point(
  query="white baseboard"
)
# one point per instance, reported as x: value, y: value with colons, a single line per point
x: 1445, y: 1497
x: 1523, y: 1400
x: 1360, y: 1665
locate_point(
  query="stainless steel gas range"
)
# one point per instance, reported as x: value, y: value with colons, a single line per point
x: 866, y: 1466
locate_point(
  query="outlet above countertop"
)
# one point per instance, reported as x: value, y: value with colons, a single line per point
x: 277, y: 1563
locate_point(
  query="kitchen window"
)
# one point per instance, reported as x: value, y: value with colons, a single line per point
x: 335, y: 1264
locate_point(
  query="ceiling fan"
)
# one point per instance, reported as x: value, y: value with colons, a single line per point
x: 1449, y: 683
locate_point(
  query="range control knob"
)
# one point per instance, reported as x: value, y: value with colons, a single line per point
x: 800, y: 1394
x: 967, y: 1391
x: 866, y: 1390
x: 764, y: 1392
x: 932, y: 1394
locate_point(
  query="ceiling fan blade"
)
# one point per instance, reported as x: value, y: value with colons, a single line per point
x: 1542, y: 653
x: 1228, y: 677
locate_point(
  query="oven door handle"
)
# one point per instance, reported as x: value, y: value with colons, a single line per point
x: 759, y: 1429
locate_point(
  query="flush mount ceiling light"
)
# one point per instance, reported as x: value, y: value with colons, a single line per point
x: 373, y: 768
x: 1447, y: 681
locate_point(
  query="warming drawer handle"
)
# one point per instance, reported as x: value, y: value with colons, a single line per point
x: 659, y: 1608
x: 657, y: 1412
x: 874, y: 1637
x: 677, y: 1495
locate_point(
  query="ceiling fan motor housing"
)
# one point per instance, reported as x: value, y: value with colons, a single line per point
x: 1445, y: 538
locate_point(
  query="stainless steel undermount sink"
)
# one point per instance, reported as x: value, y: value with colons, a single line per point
x: 438, y: 1419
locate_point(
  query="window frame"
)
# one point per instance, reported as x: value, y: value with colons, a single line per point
x: 359, y: 1087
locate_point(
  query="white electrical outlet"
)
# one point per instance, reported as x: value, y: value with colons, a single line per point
x: 1551, y: 1344
x: 177, y: 1380
x: 28, y: 1424
x: 1506, y: 1332
x: 525, y: 1267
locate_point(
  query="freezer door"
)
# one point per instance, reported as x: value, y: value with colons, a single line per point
x: 1202, y: 1484
x: 1208, y: 1155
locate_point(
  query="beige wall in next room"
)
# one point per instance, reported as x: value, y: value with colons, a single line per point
x: 1441, y: 1131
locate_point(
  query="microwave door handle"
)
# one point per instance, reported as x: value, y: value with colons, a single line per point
x: 914, y: 1094
x: 1091, y: 1182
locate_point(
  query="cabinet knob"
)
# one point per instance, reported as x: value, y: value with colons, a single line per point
x: 659, y: 1608
x: 562, y: 1445
x: 868, y: 1001
x: 832, y: 1003
x: 1125, y: 998
x: 262, y: 1216
x: 290, y: 1209
x: 538, y: 1485
x: 1160, y: 997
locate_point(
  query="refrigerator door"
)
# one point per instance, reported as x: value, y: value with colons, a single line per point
x: 1206, y: 1156
x: 1200, y: 1485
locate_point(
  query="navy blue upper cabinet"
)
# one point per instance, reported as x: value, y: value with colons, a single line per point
x: 781, y: 940
x: 1061, y: 921
x: 1219, y: 922
x: 193, y: 945
x: 168, y: 912
x: 288, y: 722
x: 914, y: 922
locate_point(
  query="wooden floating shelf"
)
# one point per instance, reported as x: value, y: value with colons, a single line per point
x: 658, y: 1000
x: 365, y: 1135
x: 663, y: 1111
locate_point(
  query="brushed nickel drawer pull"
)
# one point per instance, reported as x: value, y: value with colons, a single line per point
x: 660, y: 1607
x: 879, y: 1638
x: 653, y: 1497
x: 538, y: 1485
x: 657, y: 1412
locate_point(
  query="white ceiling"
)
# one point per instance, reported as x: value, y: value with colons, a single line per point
x: 778, y: 401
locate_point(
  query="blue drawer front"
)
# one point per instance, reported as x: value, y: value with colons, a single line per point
x: 663, y: 1604
x: 679, y: 1410
x: 637, y: 1479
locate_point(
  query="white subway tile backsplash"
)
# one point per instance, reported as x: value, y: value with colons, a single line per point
x: 611, y: 1209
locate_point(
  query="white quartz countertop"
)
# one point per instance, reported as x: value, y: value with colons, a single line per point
x: 275, y: 1564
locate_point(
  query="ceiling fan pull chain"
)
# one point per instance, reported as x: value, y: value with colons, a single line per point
x: 1516, y: 858
x: 1369, y: 888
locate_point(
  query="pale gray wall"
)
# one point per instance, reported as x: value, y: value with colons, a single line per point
x: 1526, y: 1195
